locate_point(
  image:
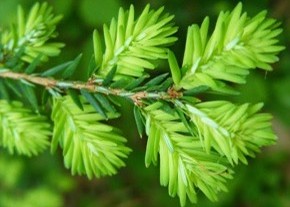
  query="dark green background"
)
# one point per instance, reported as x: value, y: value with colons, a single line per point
x: 43, y: 182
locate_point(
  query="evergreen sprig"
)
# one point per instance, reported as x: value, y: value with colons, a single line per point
x: 21, y: 130
x: 29, y: 37
x: 89, y: 147
x: 232, y: 130
x: 134, y: 45
x: 197, y: 142
x: 184, y: 163
x: 238, y: 43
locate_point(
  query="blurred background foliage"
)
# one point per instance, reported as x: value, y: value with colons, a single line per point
x: 43, y: 182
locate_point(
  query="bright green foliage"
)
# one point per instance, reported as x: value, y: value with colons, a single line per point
x: 196, y: 142
x: 237, y: 44
x: 89, y: 146
x: 29, y: 37
x: 184, y: 164
x: 186, y: 158
x: 232, y: 130
x: 175, y: 70
x: 21, y: 130
x: 134, y: 45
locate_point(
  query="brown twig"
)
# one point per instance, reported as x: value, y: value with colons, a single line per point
x: 48, y: 82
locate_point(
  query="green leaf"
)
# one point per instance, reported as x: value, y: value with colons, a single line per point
x: 56, y: 70
x: 135, y: 83
x: 166, y: 84
x: 45, y: 97
x: 91, y: 68
x: 108, y: 79
x: 75, y: 96
x: 32, y: 66
x: 174, y: 68
x: 97, y: 48
x: 29, y: 94
x: 14, y: 87
x: 105, y: 103
x: 21, y: 130
x: 185, y: 121
x: 89, y: 146
x: 196, y: 90
x: 68, y: 72
x: 115, y: 100
x: 93, y: 101
x: 157, y: 80
x: 139, y: 120
x: 190, y: 99
x: 120, y: 83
